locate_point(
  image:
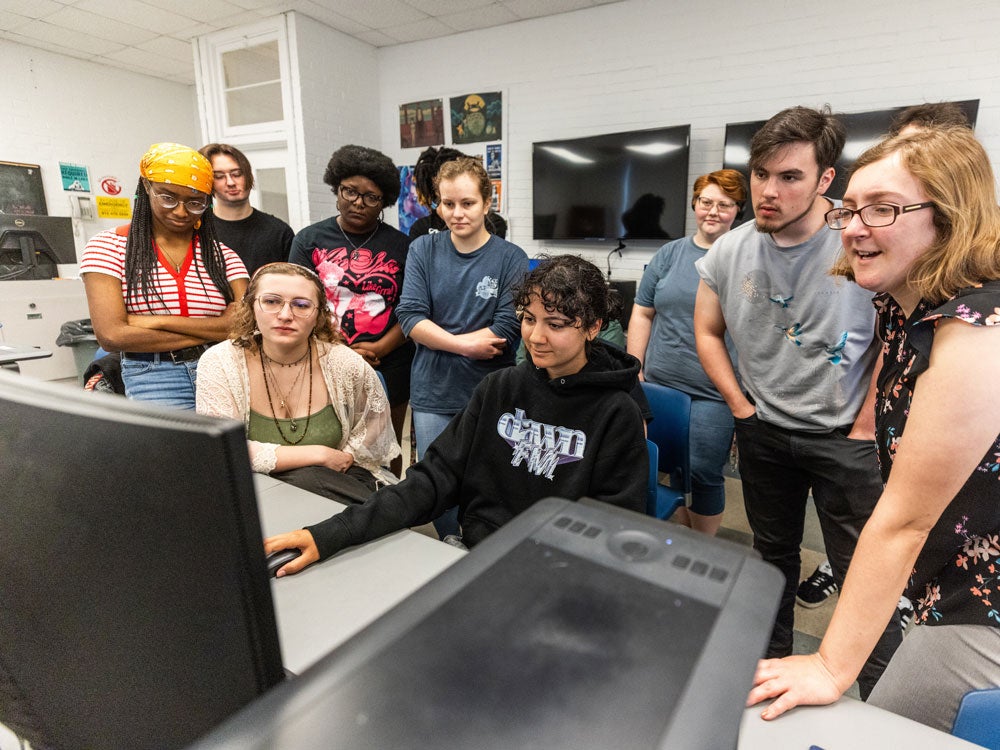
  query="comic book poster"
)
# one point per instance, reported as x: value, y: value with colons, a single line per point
x: 410, y: 209
x: 476, y: 118
x: 421, y: 124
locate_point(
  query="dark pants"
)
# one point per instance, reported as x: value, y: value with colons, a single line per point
x: 779, y: 468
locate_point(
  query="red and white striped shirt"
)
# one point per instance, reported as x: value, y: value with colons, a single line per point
x: 189, y: 292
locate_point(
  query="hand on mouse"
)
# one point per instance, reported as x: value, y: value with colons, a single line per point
x: 301, y: 540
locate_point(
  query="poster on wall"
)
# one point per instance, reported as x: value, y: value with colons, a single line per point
x: 410, y: 209
x: 476, y: 117
x: 496, y: 201
x: 21, y: 190
x: 421, y: 124
x: 494, y: 161
x: 74, y: 177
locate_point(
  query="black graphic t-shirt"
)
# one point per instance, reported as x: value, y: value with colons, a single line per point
x: 362, y: 283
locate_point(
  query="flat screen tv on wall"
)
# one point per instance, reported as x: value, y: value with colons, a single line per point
x: 629, y: 186
x: 864, y: 129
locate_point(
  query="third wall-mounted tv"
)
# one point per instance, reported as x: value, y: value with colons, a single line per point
x: 629, y: 186
x: 864, y: 129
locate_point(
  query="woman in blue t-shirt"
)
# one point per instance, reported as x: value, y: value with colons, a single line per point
x: 661, y: 336
x: 457, y: 304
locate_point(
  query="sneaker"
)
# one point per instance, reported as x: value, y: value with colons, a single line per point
x: 905, y: 608
x: 817, y: 588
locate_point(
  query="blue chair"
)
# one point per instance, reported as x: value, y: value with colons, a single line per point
x: 668, y: 433
x: 978, y: 718
x: 381, y: 379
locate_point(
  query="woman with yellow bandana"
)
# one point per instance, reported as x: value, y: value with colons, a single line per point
x: 162, y: 289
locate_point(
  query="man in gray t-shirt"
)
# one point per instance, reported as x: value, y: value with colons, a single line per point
x: 805, y: 411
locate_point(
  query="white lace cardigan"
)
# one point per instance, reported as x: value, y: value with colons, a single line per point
x: 355, y: 393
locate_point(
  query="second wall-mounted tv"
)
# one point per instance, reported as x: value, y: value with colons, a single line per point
x: 864, y: 129
x: 630, y: 186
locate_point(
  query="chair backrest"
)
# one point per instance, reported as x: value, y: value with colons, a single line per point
x: 654, y: 477
x: 670, y: 431
x: 978, y: 718
x: 381, y: 379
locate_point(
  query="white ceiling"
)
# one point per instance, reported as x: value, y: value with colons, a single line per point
x: 154, y: 37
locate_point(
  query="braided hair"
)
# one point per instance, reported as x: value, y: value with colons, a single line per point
x: 141, y: 262
x: 426, y: 169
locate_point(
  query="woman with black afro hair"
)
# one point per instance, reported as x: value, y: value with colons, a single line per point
x: 361, y: 261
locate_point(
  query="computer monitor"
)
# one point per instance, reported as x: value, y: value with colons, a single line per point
x: 135, y: 607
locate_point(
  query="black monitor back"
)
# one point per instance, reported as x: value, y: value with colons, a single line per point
x: 136, y: 610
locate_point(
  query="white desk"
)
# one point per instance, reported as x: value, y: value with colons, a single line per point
x: 328, y: 602
x: 847, y: 724
x: 10, y: 355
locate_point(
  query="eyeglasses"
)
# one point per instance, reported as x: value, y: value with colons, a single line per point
x: 350, y: 195
x: 234, y: 173
x: 301, y: 308
x: 169, y: 201
x: 707, y: 203
x: 872, y: 215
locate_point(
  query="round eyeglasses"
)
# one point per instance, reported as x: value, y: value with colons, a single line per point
x: 299, y: 306
x: 872, y: 215
x: 350, y: 195
x: 707, y: 203
x: 171, y: 201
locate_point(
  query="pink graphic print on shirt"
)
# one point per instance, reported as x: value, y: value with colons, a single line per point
x: 362, y: 288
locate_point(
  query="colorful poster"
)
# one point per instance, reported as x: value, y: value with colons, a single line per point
x: 114, y: 208
x: 410, y: 209
x: 494, y: 164
x: 421, y: 124
x: 476, y: 117
x: 496, y: 202
x: 74, y: 177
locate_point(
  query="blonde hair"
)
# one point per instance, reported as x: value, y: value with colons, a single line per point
x: 245, y: 333
x: 953, y: 169
x: 466, y: 165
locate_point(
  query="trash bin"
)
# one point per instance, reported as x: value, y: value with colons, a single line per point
x: 79, y: 334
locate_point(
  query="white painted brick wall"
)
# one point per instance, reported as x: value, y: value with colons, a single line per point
x: 57, y: 108
x: 338, y: 91
x: 648, y: 63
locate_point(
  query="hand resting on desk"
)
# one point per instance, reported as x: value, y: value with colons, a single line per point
x: 301, y: 540
x: 795, y: 680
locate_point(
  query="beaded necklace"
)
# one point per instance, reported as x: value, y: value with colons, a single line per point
x: 294, y: 425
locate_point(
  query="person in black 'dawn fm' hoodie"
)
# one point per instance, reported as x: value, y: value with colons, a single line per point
x: 560, y: 424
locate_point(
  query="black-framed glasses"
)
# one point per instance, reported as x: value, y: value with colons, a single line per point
x: 171, y: 201
x: 350, y: 195
x: 273, y: 304
x: 707, y: 203
x: 872, y: 215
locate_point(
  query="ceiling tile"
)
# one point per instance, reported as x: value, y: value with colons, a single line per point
x: 535, y: 9
x: 332, y: 18
x: 83, y: 23
x: 413, y: 32
x: 155, y: 18
x: 29, y: 8
x: 479, y: 18
x: 13, y: 21
x: 81, y: 44
x: 167, y: 46
x: 378, y: 38
x: 142, y: 62
x: 381, y: 14
x: 447, y: 7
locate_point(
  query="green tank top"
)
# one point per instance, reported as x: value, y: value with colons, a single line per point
x: 324, y: 429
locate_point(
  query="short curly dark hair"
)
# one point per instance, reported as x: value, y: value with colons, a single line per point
x: 571, y: 286
x: 360, y: 161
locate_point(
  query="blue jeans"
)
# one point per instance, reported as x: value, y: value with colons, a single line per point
x: 160, y: 381
x: 779, y: 467
x: 426, y: 428
x: 710, y: 441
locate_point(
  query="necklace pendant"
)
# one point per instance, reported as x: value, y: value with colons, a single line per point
x: 294, y: 427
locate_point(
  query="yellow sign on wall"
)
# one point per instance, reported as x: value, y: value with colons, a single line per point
x: 114, y: 208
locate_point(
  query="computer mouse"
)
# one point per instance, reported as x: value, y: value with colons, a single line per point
x: 278, y: 558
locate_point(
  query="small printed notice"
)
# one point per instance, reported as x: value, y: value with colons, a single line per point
x: 74, y: 177
x: 114, y: 208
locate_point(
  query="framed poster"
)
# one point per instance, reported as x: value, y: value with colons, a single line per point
x: 476, y: 117
x: 421, y: 123
x: 21, y: 189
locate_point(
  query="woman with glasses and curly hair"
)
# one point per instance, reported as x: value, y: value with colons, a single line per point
x: 307, y: 400
x: 162, y: 289
x: 361, y: 261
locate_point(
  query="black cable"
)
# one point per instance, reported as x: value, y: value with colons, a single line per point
x: 621, y: 246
